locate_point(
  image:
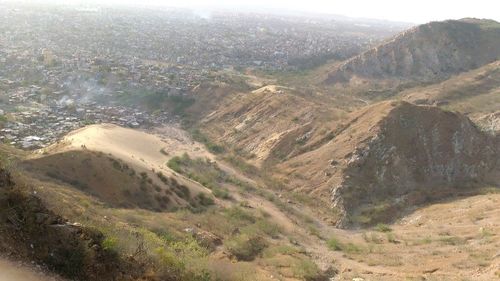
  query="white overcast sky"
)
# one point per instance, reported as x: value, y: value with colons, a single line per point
x: 416, y: 11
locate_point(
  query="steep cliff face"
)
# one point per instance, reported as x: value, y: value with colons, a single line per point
x: 426, y: 53
x: 396, y: 154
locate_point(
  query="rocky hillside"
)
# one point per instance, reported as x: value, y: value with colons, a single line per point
x: 269, y: 123
x: 426, y: 53
x: 474, y: 93
x: 490, y: 123
x: 392, y: 155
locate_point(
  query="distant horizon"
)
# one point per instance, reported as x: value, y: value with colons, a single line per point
x: 383, y: 10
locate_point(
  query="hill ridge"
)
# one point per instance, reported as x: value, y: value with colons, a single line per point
x: 371, y: 164
x: 428, y: 52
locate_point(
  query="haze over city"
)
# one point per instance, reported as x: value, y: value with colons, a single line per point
x: 394, y: 10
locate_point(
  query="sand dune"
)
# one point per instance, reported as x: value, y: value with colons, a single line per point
x: 138, y: 148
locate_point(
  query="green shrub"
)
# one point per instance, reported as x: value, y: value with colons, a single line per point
x: 383, y: 227
x: 204, y: 200
x: 175, y: 164
x: 281, y: 249
x: 245, y: 247
x: 221, y: 193
x: 239, y: 215
x: 334, y: 244
x: 109, y: 243
x: 305, y: 269
x: 267, y: 227
x: 198, y: 136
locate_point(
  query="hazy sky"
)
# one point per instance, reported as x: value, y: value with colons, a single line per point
x: 417, y: 11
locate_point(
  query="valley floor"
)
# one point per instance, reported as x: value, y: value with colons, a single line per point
x: 453, y: 240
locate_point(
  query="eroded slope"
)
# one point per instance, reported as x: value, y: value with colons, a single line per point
x: 392, y: 155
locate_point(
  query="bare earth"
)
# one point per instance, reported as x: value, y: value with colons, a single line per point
x: 10, y: 271
x: 454, y: 240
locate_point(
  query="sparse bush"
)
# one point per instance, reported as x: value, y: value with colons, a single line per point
x: 383, y: 228
x: 175, y: 164
x: 306, y: 270
x: 221, y: 193
x: 267, y: 227
x: 240, y: 215
x: 162, y: 177
x: 245, y: 247
x: 314, y: 231
x: 116, y: 164
x: 242, y: 165
x: 391, y: 238
x: 452, y: 240
x: 334, y: 244
x: 182, y: 191
x: 281, y: 249
x: 204, y: 200
x: 198, y: 136
x: 164, y: 152
x: 144, y: 176
x: 109, y: 243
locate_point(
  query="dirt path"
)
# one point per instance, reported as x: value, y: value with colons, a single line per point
x: 11, y: 271
x: 316, y: 247
x: 441, y: 241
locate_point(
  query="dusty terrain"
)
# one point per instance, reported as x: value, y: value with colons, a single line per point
x: 121, y: 166
x: 453, y: 240
x: 12, y: 271
x: 258, y: 188
x: 423, y: 244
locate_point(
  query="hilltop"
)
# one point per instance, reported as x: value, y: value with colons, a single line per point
x: 426, y: 53
x: 122, y: 167
x: 391, y: 155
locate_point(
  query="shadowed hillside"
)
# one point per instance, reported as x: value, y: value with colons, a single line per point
x: 391, y: 155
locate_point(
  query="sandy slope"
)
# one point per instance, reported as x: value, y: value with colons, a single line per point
x: 140, y: 149
x: 83, y: 151
x: 136, y: 147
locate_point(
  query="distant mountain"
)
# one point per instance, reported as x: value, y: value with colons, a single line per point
x: 426, y: 53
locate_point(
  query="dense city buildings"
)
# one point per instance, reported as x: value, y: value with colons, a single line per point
x: 58, y: 63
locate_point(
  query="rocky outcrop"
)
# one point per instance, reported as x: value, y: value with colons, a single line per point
x: 394, y: 155
x: 415, y: 156
x: 426, y: 53
x: 490, y: 123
